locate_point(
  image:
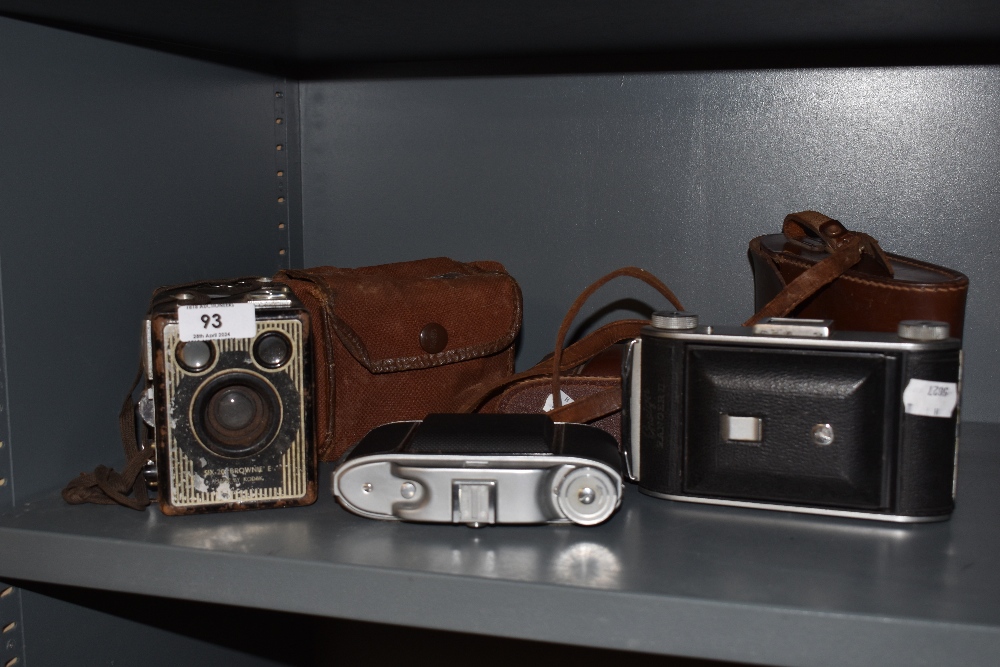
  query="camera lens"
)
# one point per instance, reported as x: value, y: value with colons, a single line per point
x: 236, y: 414
x: 234, y: 408
x: 272, y: 350
x: 195, y: 356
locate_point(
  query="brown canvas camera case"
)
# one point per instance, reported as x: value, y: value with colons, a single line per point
x: 399, y: 341
x: 816, y: 268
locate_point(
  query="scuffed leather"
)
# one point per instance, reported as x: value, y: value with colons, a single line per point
x: 528, y: 396
x: 369, y: 365
x: 863, y: 298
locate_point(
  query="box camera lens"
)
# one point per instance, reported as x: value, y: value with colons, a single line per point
x: 228, y: 369
x: 272, y: 350
x: 236, y: 414
x: 195, y: 356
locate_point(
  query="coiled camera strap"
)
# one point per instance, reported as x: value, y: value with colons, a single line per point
x: 104, y: 486
x: 563, y: 360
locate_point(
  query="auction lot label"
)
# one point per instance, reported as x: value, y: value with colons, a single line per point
x: 217, y: 321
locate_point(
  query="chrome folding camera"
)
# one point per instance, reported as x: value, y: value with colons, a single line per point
x: 482, y: 469
x: 229, y: 397
x: 790, y: 415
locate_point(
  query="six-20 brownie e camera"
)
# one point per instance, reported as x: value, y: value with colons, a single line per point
x: 229, y: 397
x: 790, y: 415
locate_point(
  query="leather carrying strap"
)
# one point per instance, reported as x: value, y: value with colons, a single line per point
x: 576, y: 354
x: 627, y: 271
x: 104, y: 486
x: 806, y: 225
x: 847, y: 250
x: 563, y: 360
x: 590, y: 408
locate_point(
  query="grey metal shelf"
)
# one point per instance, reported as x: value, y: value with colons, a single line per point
x: 301, y: 32
x: 660, y: 577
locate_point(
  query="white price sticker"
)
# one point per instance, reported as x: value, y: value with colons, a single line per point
x: 217, y: 321
x: 930, y: 399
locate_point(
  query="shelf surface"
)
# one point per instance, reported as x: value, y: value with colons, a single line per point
x: 660, y: 576
x: 351, y: 31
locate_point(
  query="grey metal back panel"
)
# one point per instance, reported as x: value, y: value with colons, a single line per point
x: 564, y: 178
x: 123, y: 169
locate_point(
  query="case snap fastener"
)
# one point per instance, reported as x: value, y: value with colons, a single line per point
x: 832, y: 228
x: 433, y: 338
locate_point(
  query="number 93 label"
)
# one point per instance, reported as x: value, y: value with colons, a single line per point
x: 930, y: 399
x: 217, y: 321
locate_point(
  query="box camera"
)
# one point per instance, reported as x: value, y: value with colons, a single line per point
x: 479, y: 469
x: 229, y: 397
x: 789, y: 415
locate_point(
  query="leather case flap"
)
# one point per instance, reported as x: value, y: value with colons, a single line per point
x: 410, y: 315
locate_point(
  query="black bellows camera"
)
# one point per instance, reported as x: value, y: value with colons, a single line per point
x: 790, y: 415
x: 229, y: 397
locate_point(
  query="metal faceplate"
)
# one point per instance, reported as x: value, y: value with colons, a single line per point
x: 196, y: 478
x: 479, y: 490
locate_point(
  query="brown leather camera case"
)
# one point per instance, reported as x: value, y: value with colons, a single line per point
x: 399, y: 341
x: 818, y: 269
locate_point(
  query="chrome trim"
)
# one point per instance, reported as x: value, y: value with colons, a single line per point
x: 958, y: 424
x: 838, y: 340
x: 148, y: 350
x: 792, y: 326
x: 799, y: 509
x: 273, y: 304
x: 632, y: 399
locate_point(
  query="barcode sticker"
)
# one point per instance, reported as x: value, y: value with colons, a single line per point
x: 217, y: 321
x: 930, y: 399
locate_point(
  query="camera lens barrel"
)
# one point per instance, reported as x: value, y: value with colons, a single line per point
x: 195, y: 356
x: 235, y: 409
x: 236, y: 414
x: 272, y: 350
